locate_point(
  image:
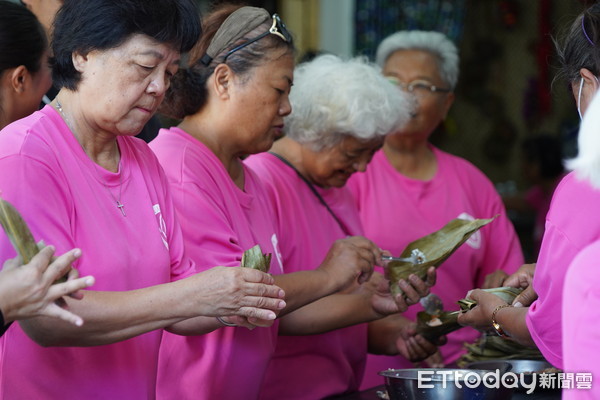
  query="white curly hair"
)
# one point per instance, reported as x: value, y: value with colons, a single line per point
x: 434, y: 42
x: 334, y: 98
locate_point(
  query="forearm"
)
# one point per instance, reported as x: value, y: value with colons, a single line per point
x: 109, y: 317
x: 384, y: 333
x: 304, y: 287
x: 329, y: 313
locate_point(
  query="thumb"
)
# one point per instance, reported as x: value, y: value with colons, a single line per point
x: 525, y: 298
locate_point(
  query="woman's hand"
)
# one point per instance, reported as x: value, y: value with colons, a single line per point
x: 480, y: 316
x: 523, y: 278
x: 28, y: 291
x: 495, y: 279
x: 350, y: 260
x: 415, y: 347
x: 228, y: 291
x: 382, y: 302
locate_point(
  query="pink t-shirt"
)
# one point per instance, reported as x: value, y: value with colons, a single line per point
x: 315, y: 366
x: 571, y: 224
x: 64, y: 197
x: 396, y: 210
x: 219, y: 221
x: 581, y: 316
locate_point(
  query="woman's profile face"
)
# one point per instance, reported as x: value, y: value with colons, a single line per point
x: 41, y: 81
x: 122, y: 87
x: 409, y: 66
x: 333, y: 166
x: 261, y: 101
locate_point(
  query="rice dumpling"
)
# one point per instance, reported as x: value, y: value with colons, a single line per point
x: 255, y: 259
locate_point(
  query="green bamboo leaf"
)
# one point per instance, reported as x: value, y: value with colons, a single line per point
x: 19, y: 234
x: 255, y: 259
x: 436, y: 248
x: 17, y: 231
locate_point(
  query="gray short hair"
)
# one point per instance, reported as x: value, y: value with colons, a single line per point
x: 334, y: 98
x: 434, y: 42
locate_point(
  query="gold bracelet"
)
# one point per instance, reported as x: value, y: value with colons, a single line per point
x: 495, y: 323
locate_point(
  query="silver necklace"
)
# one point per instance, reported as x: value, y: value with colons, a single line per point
x: 118, y: 203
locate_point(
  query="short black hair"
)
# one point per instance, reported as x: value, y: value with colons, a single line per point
x: 84, y: 26
x: 22, y: 38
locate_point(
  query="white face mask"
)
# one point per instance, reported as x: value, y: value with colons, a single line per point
x: 579, y: 96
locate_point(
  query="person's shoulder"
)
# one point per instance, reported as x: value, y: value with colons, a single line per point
x: 31, y: 136
x: 462, y: 167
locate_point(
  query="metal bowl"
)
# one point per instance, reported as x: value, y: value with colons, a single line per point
x: 442, y: 384
x: 524, y: 369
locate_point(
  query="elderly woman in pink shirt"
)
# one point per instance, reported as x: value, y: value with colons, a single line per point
x: 342, y: 111
x: 412, y: 188
x: 233, y: 99
x: 80, y: 179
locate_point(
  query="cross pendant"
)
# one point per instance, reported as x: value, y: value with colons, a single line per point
x: 121, y: 207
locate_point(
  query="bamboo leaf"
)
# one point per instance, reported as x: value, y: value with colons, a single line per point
x: 19, y: 234
x: 17, y: 231
x: 255, y: 259
x: 436, y: 247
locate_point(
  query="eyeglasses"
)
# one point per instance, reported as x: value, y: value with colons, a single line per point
x: 278, y: 28
x: 418, y: 87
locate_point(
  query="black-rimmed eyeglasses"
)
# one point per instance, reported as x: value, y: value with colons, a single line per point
x: 278, y: 28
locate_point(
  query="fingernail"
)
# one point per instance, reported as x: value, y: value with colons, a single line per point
x: 89, y: 280
x: 518, y: 304
x: 281, y: 305
x: 79, y: 322
x: 469, y: 293
x: 77, y: 252
x: 281, y: 294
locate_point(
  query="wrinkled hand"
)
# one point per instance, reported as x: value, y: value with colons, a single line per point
x: 382, y: 302
x: 414, y: 347
x: 480, y: 316
x: 228, y: 291
x: 495, y: 279
x: 414, y: 289
x: 523, y: 278
x: 350, y: 260
x: 28, y: 291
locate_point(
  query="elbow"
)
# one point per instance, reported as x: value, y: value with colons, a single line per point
x: 42, y: 336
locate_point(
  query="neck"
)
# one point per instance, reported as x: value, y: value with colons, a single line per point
x: 100, y: 146
x: 292, y: 151
x: 213, y: 137
x: 415, y: 162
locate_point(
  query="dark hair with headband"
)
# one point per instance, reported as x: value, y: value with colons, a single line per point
x: 580, y: 46
x: 229, y: 34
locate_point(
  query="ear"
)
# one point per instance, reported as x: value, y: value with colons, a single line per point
x: 18, y: 78
x: 222, y: 81
x: 448, y: 103
x: 79, y: 61
x: 589, y: 78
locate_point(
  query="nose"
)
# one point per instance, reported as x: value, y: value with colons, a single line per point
x: 286, y: 107
x: 158, y: 84
x: 360, y: 165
